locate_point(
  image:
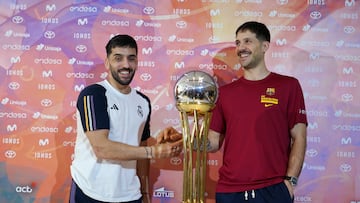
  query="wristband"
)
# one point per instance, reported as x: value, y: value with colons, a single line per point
x: 148, y: 154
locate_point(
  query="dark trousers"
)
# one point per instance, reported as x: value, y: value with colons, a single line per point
x: 77, y: 196
x: 272, y: 194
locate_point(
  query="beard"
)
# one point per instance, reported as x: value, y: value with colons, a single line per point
x: 251, y: 62
x: 117, y: 78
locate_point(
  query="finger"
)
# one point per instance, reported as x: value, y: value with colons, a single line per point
x: 176, y: 136
x: 178, y: 142
x: 162, y: 137
x: 159, y: 138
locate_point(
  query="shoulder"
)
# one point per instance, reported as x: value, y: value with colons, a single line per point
x: 142, y: 95
x: 93, y: 89
x: 230, y: 86
x: 284, y: 78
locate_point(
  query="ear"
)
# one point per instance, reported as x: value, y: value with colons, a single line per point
x: 265, y: 45
x: 107, y: 63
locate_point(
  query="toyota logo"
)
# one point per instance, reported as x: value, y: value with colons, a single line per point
x: 181, y: 24
x: 14, y: 85
x: 315, y: 15
x: 81, y: 48
x: 10, y: 154
x: 175, y: 161
x: 347, y: 97
x: 149, y: 10
x: 145, y: 77
x: 311, y: 153
x: 349, y: 29
x: 282, y: 2
x: 49, y: 34
x: 17, y: 19
x: 345, y: 167
x: 46, y: 102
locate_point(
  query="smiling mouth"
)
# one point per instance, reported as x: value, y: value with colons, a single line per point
x: 124, y: 72
x: 244, y: 54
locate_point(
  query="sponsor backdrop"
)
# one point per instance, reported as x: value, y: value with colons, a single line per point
x: 50, y: 50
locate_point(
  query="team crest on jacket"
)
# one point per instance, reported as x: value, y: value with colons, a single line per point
x: 270, y: 91
x: 140, y: 111
x: 268, y: 99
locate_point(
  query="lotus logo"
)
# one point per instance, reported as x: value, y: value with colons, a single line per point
x: 17, y: 19
x: 145, y: 77
x: 345, y: 168
x: 10, y: 154
x: 181, y: 24
x: 315, y: 15
x: 81, y: 48
x: 14, y: 85
x: 349, y: 29
x: 311, y: 153
x: 149, y: 10
x: 49, y: 34
x: 46, y: 102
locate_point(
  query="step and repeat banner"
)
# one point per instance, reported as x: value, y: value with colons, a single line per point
x: 50, y: 50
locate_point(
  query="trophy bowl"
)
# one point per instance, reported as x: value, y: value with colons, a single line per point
x: 196, y: 90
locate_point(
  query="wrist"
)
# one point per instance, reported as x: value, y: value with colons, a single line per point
x: 152, y: 152
x: 292, y: 179
x: 148, y: 151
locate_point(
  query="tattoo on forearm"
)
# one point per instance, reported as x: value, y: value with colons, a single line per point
x: 208, y: 145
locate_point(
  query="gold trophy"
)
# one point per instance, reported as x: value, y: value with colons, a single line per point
x: 195, y: 93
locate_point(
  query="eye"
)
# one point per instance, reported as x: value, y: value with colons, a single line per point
x: 117, y: 58
x: 132, y: 58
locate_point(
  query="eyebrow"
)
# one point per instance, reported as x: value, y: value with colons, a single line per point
x: 131, y: 55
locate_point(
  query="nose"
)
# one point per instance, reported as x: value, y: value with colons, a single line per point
x: 126, y: 63
x: 240, y: 46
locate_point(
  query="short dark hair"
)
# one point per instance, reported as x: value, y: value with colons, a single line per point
x: 260, y: 29
x: 121, y: 41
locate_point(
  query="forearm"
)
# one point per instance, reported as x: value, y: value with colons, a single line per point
x: 296, y: 158
x: 207, y: 145
x: 143, y: 170
x: 297, y: 153
x: 211, y: 144
x: 121, y: 151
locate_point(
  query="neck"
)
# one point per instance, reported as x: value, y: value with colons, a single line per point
x: 256, y: 74
x: 124, y: 89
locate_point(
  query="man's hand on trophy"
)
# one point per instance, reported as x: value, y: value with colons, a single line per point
x: 168, y: 149
x: 168, y: 134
